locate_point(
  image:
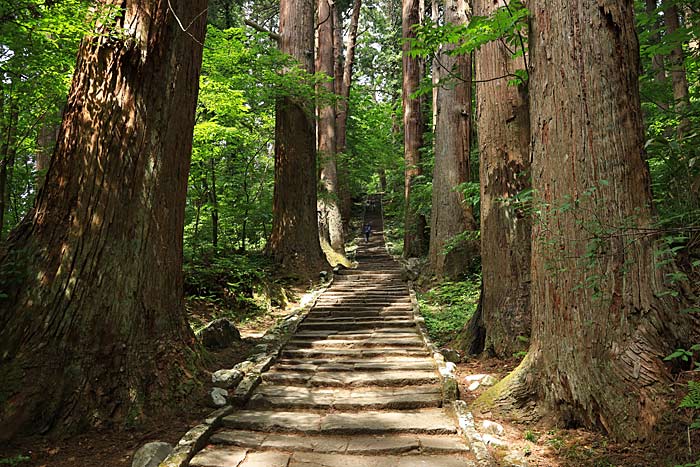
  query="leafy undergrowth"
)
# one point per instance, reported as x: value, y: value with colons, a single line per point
x: 242, y: 288
x: 447, y: 307
x: 548, y: 444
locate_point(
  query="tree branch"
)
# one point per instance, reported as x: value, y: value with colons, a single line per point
x: 273, y: 35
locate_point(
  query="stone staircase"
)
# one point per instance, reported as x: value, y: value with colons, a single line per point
x: 355, y: 386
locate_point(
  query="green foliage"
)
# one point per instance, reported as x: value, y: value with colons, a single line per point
x: 448, y: 306
x: 692, y: 399
x: 16, y: 460
x: 230, y: 280
x: 508, y: 24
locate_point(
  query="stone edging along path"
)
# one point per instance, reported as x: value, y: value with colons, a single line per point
x: 242, y: 379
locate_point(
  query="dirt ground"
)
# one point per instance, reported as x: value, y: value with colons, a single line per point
x: 545, y: 444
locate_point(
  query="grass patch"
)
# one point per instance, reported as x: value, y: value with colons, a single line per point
x: 448, y: 306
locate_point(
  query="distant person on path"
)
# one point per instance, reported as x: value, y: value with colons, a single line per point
x: 367, y: 230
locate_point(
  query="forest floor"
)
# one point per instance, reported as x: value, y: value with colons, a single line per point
x: 108, y: 447
x: 545, y: 444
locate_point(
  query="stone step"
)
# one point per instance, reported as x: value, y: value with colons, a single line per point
x: 424, y: 421
x: 387, y: 342
x: 396, y: 321
x: 352, y: 353
x: 364, y: 299
x: 349, y: 325
x: 218, y: 456
x: 350, y: 288
x: 275, y: 396
x: 352, y: 378
x: 356, y: 365
x: 345, y: 308
x: 354, y: 334
x: 365, y: 294
x: 362, y: 312
x: 366, y: 363
x: 338, y: 444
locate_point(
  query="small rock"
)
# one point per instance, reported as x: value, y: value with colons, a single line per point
x: 515, y: 460
x: 488, y: 380
x: 493, y: 441
x: 219, y: 334
x: 323, y: 275
x: 474, y: 386
x: 449, y: 369
x: 226, y: 378
x: 411, y: 269
x: 151, y: 454
x: 218, y: 397
x: 451, y: 355
x: 470, y: 378
x: 493, y: 428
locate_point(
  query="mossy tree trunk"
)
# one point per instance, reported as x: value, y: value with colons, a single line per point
x: 294, y: 241
x: 93, y: 329
x: 414, y: 244
x: 451, y: 215
x: 600, y: 328
x: 329, y: 199
x: 504, y: 152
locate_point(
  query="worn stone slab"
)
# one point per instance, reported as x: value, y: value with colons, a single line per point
x: 266, y: 459
x: 302, y: 459
x: 414, y: 397
x: 431, y: 421
x: 217, y: 457
x: 329, y: 460
x: 442, y: 444
x: 260, y: 420
x: 241, y: 438
x: 354, y: 378
x: 388, y: 342
x: 434, y: 461
x: 382, y: 444
x: 353, y: 353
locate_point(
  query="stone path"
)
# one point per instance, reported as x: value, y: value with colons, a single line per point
x: 355, y: 386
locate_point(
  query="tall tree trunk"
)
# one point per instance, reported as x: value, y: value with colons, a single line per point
x: 46, y: 141
x: 451, y: 215
x: 342, y: 112
x: 294, y: 240
x: 414, y: 222
x: 328, y: 203
x: 681, y: 99
x: 657, y: 61
x: 89, y: 333
x: 8, y: 154
x: 599, y: 326
x: 504, y: 142
x: 214, y: 200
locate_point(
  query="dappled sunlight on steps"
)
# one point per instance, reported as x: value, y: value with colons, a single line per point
x: 355, y: 385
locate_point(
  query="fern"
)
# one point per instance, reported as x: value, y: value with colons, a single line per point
x: 692, y: 399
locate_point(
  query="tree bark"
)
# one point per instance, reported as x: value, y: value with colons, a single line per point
x: 94, y: 328
x: 342, y: 112
x: 214, y: 200
x: 451, y: 215
x: 504, y: 142
x: 600, y: 328
x: 414, y: 223
x: 294, y: 240
x: 681, y: 98
x: 8, y: 153
x: 657, y: 61
x: 329, y: 201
